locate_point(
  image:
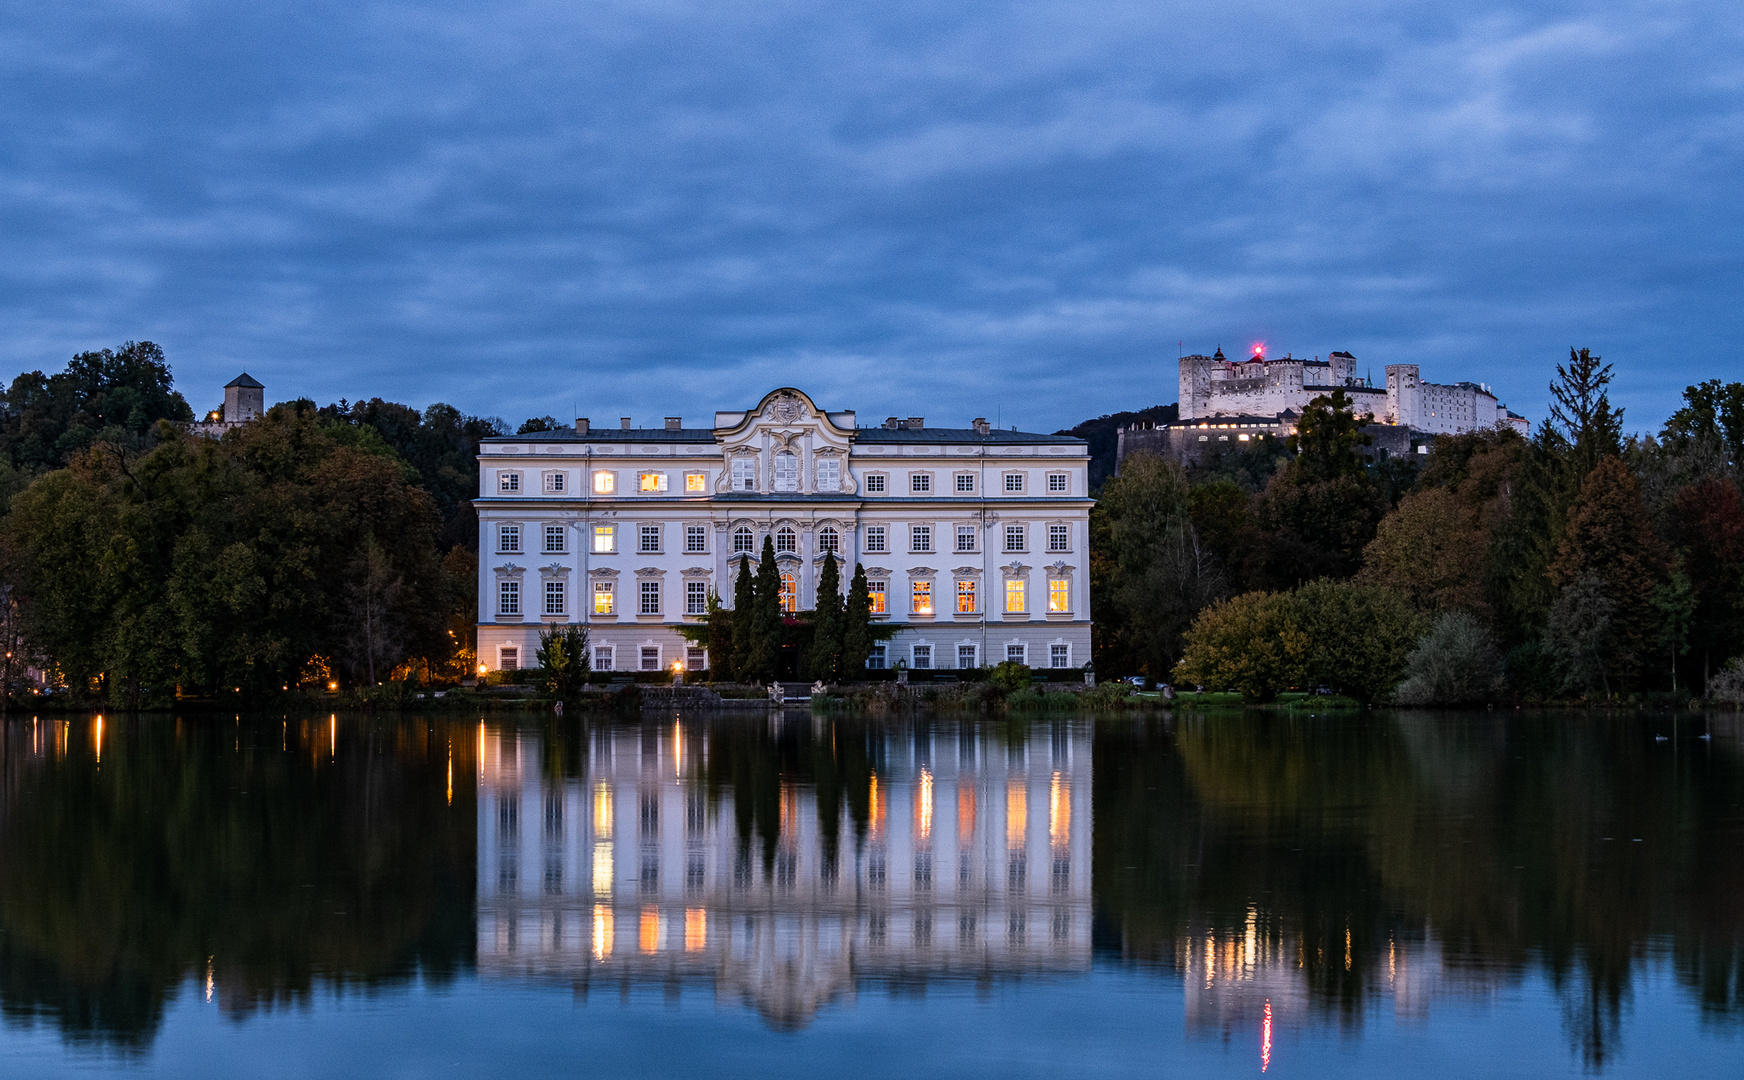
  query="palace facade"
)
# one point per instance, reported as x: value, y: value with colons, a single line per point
x: 975, y: 541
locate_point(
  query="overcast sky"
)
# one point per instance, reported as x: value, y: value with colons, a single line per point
x: 1016, y: 210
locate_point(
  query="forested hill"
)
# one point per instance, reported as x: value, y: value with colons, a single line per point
x: 1102, y: 434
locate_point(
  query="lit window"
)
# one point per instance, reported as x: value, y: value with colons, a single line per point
x: 828, y: 539
x: 602, y: 657
x: 508, y: 538
x: 648, y: 538
x: 1016, y: 654
x: 789, y: 593
x: 785, y: 473
x: 651, y: 481
x: 509, y: 481
x: 786, y: 539
x: 921, y: 598
x: 876, y: 658
x: 650, y: 591
x: 553, y: 483
x: 1016, y: 595
x: 966, y: 657
x: 920, y: 482
x: 605, y: 539
x: 695, y: 538
x: 1014, y: 537
x: 965, y: 481
x: 923, y: 657
x: 875, y: 483
x: 744, y: 474
x: 554, y: 598
x: 1014, y: 481
x: 743, y: 540
x: 1058, y: 536
x: 604, y: 598
x: 1059, y: 595
x: 875, y: 538
x: 695, y: 483
x: 1057, y: 481
x: 604, y: 483
x: 965, y: 598
x: 921, y: 537
x: 650, y: 658
x: 965, y: 538
x: 554, y: 539
x: 509, y: 598
x: 829, y: 474
x: 696, y: 598
x: 875, y: 597
x: 1059, y: 656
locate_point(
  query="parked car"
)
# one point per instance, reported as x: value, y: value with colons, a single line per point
x: 1137, y: 680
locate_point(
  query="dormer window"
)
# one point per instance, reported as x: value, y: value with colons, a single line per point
x: 785, y: 474
x: 744, y: 474
x: 829, y: 475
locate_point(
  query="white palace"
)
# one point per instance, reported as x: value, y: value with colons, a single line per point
x: 975, y: 541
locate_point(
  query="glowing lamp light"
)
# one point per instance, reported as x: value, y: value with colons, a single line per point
x: 1259, y: 348
x: 332, y: 686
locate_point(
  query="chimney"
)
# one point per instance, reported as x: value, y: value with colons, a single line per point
x: 915, y: 423
x: 981, y: 426
x: 892, y: 423
x: 674, y: 423
x: 581, y: 425
x: 624, y: 422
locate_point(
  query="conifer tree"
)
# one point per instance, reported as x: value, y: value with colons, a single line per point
x: 744, y: 606
x: 857, y: 625
x: 765, y: 621
x: 720, y: 639
x: 825, y: 663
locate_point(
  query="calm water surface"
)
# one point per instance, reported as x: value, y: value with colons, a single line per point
x: 1237, y: 895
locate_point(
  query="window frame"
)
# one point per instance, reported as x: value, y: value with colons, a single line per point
x: 648, y: 596
x: 965, y: 483
x: 877, y: 539
x: 605, y: 538
x: 696, y: 597
x: 696, y: 483
x: 555, y: 590
x: 1059, y: 655
x: 781, y: 478
x: 833, y: 465
x: 1014, y: 483
x: 919, y: 653
x: 509, y: 538
x: 1059, y: 596
x: 1018, y: 588
x: 786, y: 540
x: 966, y: 591
x: 743, y: 468
x: 920, y: 539
x: 966, y: 539
x: 650, y: 538
x: 556, y: 537
x: 605, y: 657
x: 920, y: 483
x: 1059, y: 537
x: 1059, y: 483
x: 510, y: 481
x: 554, y: 483
x: 508, y: 597
x: 787, y: 595
x: 877, y: 483
x: 696, y: 539
x: 1016, y: 537
x: 878, y: 596
x: 974, y: 656
x: 749, y: 535
x: 651, y: 483
x: 605, y: 482
x: 609, y: 592
x: 920, y: 597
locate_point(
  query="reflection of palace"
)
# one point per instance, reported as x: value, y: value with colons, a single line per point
x: 975, y: 863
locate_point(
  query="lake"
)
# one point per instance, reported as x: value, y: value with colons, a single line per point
x: 1385, y: 894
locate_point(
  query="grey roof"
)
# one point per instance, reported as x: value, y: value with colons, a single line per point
x: 876, y: 435
x: 246, y: 381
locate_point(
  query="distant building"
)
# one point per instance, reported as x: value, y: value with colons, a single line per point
x: 244, y: 402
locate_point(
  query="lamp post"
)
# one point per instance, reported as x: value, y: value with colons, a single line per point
x: 902, y: 673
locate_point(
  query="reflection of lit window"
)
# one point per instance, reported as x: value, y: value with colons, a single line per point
x: 652, y: 481
x: 875, y: 597
x: 923, y: 806
x: 649, y: 936
x: 965, y: 597
x: 921, y: 600
x: 605, y: 539
x: 694, y: 483
x: 1016, y: 595
x: 602, y: 931
x: 695, y: 929
x: 1016, y: 814
x: 789, y: 593
x: 604, y: 483
x: 604, y: 598
x: 1059, y: 595
x: 1059, y: 811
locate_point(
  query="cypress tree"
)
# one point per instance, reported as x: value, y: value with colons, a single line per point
x: 744, y: 604
x: 825, y: 662
x: 765, y: 628
x: 857, y: 626
x: 720, y: 639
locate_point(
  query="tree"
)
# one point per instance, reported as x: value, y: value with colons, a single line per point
x: 765, y: 621
x: 825, y: 662
x: 1252, y: 643
x: 1455, y: 663
x: 1581, y: 407
x: 1713, y: 412
x: 1321, y: 509
x: 1431, y: 550
x: 857, y: 625
x: 1579, y: 635
x: 1360, y: 636
x: 562, y: 659
x: 115, y: 395
x: 744, y: 618
x: 538, y: 423
x: 719, y: 639
x: 1706, y: 523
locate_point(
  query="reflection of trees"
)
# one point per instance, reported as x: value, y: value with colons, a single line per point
x: 268, y: 854
x: 1508, y: 841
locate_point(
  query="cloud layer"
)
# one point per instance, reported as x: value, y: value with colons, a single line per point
x: 1002, y: 209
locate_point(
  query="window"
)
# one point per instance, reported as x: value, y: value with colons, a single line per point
x: 604, y: 598
x: 829, y: 474
x: 695, y: 538
x: 695, y: 483
x: 650, y: 658
x: 828, y: 539
x: 553, y: 483
x: 696, y: 598
x: 965, y: 481
x: 921, y: 598
x: 605, y: 483
x: 875, y: 659
x: 1059, y: 595
x: 1057, y: 483
x: 508, y: 538
x: 966, y: 657
x: 875, y: 538
x: 508, y: 598
x: 1058, y: 538
x: 744, y: 540
x: 651, y: 482
x: 744, y: 474
x: 1016, y: 654
x: 605, y: 539
x: 1016, y: 595
x: 921, y: 538
x: 789, y: 593
x: 603, y: 658
x: 554, y: 539
x: 1014, y: 481
x: 875, y: 483
x: 554, y: 598
x: 509, y: 481
x: 1014, y: 537
x: 509, y: 658
x: 650, y: 591
x: 875, y: 597
x: 785, y: 473
x: 965, y: 598
x: 965, y: 538
x: 648, y: 538
x: 923, y: 657
x: 786, y: 539
x: 1059, y: 656
x: 696, y: 659
x: 920, y: 482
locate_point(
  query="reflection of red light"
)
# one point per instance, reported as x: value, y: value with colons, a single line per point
x: 1266, y: 1039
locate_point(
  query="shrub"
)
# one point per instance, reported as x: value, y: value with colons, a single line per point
x: 1727, y: 687
x: 1455, y: 663
x: 1252, y: 643
x: 1531, y: 671
x: 1010, y: 675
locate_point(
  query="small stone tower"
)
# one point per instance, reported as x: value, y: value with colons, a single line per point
x: 244, y: 399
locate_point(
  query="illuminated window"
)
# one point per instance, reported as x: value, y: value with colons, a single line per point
x: 554, y: 598
x: 966, y: 657
x: 603, y: 658
x: 1057, y: 482
x: 604, y: 598
x: 650, y: 592
x: 789, y: 593
x: 508, y: 598
x: 785, y: 471
x: 604, y: 483
x: 744, y: 474
x: 509, y: 481
x: 651, y: 481
x: 923, y: 657
x: 875, y: 597
x: 921, y: 538
x: 875, y: 538
x: 695, y: 483
x: 828, y: 539
x: 1016, y: 595
x: 744, y: 540
x: 786, y: 539
x: 508, y: 538
x: 1059, y: 656
x: 605, y: 539
x: 921, y: 598
x: 1014, y: 481
x: 965, y: 481
x: 695, y: 538
x: 965, y: 598
x: 829, y: 474
x: 553, y: 483
x: 965, y: 538
x: 1059, y: 595
x: 648, y: 539
x: 1059, y: 538
x: 920, y: 482
x: 1014, y: 537
x: 554, y: 539
x: 875, y: 483
x: 696, y: 598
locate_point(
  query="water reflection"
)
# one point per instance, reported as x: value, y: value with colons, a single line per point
x: 965, y: 856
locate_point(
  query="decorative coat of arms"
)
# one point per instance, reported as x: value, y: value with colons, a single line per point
x: 786, y: 409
